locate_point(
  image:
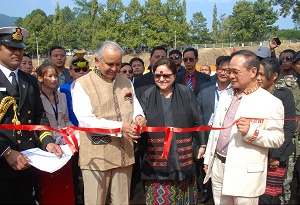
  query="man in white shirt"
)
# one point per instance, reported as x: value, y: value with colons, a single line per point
x: 109, y: 102
x: 236, y: 157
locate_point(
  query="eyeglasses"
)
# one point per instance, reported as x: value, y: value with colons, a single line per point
x: 77, y: 70
x: 188, y: 59
x: 127, y: 71
x: 221, y: 70
x: 287, y: 58
x: 174, y: 57
x: 234, y: 72
x: 165, y: 76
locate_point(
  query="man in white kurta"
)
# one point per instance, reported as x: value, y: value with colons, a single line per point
x: 236, y: 157
x: 105, y: 99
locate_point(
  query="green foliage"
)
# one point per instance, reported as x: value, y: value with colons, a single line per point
x: 67, y: 14
x: 215, y: 31
x: 177, y: 25
x: 264, y: 18
x: 289, y: 34
x: 18, y: 22
x: 288, y: 7
x: 156, y: 22
x: 132, y: 32
x: 199, y: 31
x: 57, y: 27
x: 241, y: 21
x: 154, y: 30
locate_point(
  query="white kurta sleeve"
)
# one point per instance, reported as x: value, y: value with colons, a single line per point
x: 137, y: 108
x: 84, y: 114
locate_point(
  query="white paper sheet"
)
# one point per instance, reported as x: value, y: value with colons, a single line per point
x: 47, y: 161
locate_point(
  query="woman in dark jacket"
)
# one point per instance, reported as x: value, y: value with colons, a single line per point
x: 170, y: 180
x: 268, y: 74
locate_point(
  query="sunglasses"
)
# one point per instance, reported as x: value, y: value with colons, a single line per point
x: 127, y: 71
x: 165, y: 76
x: 188, y: 59
x: 287, y: 58
x: 174, y: 57
x: 77, y: 70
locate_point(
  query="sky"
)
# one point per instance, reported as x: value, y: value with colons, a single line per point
x: 20, y: 8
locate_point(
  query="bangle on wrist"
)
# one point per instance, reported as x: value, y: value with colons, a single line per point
x: 202, y: 146
x: 7, y: 153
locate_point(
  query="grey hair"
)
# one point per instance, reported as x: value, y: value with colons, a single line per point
x: 101, y: 47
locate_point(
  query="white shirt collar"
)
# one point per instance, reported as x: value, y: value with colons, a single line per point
x: 7, y: 72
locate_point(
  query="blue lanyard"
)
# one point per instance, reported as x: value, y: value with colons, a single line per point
x: 218, y: 93
x: 218, y: 98
x: 55, y: 103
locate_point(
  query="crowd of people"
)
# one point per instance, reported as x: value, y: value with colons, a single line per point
x: 248, y: 156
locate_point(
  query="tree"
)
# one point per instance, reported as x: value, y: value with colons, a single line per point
x: 264, y: 18
x: 227, y: 35
x: 111, y: 25
x: 19, y: 22
x: 87, y: 23
x: 82, y: 7
x: 67, y: 14
x: 241, y: 21
x: 57, y: 27
x: 131, y: 35
x: 154, y: 23
x: 215, y: 23
x: 291, y: 34
x: 177, y: 25
x: 287, y: 7
x: 199, y: 31
x: 222, y: 28
x: 35, y: 23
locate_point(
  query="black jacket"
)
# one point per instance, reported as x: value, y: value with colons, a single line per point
x: 200, y: 78
x: 30, y: 112
x: 287, y: 148
x: 143, y: 83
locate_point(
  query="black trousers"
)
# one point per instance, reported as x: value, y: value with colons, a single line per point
x: 17, y: 190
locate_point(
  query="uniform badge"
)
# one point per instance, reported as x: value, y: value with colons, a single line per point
x: 17, y: 35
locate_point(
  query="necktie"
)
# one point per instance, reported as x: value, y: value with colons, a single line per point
x: 14, y: 81
x: 190, y: 82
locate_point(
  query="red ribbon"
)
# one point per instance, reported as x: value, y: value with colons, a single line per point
x: 170, y: 130
x: 69, y: 131
x: 65, y: 132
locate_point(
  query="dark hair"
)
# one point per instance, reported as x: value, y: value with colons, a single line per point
x: 191, y: 49
x: 165, y: 61
x: 175, y: 52
x: 222, y: 59
x: 158, y: 48
x: 136, y: 59
x: 27, y: 55
x: 123, y: 64
x: 250, y: 59
x: 55, y: 47
x: 271, y: 66
x: 42, y: 69
x: 287, y: 51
